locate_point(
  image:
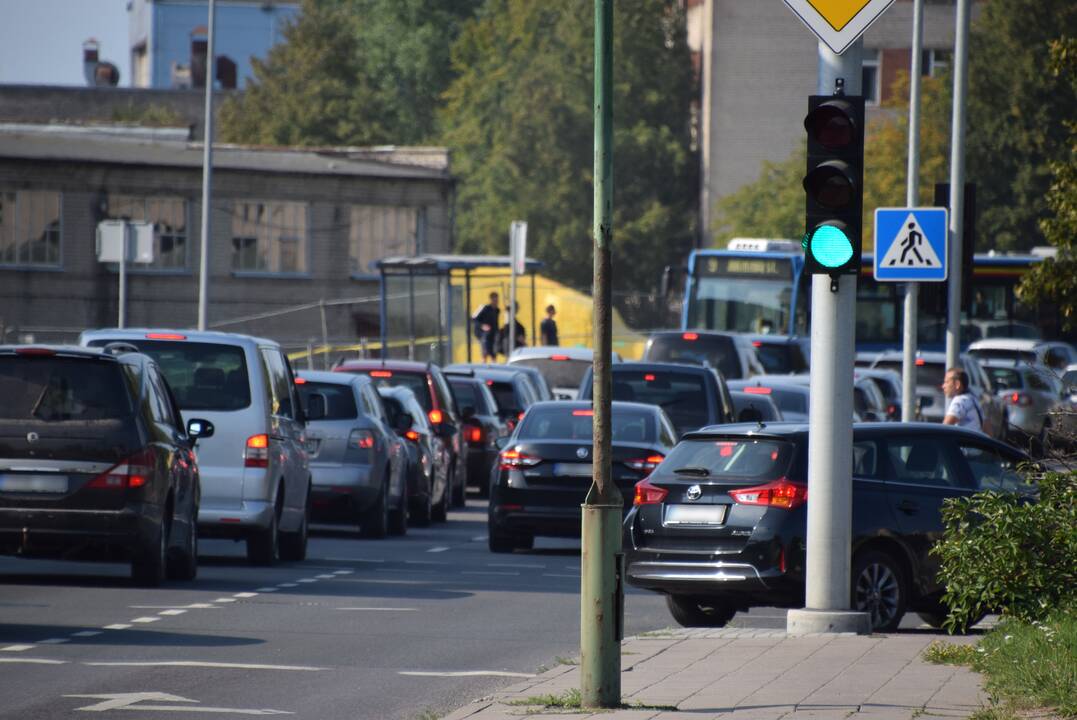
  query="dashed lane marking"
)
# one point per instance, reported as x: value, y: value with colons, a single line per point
x: 343, y: 572
x: 560, y: 575
x: 192, y: 606
x: 147, y: 619
x: 205, y: 664
x: 480, y: 538
x: 267, y: 589
x: 116, y: 626
x: 439, y: 548
x: 16, y: 648
x: 308, y: 580
x: 246, y: 595
x: 464, y: 673
x: 32, y: 661
x: 54, y: 641
x: 324, y: 577
x: 225, y: 600
x: 173, y: 611
x: 288, y: 585
x: 88, y: 633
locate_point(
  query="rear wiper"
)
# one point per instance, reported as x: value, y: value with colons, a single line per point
x: 692, y: 471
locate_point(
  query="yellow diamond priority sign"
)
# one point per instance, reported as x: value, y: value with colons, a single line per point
x: 838, y: 23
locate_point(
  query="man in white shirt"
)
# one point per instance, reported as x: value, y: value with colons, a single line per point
x: 963, y: 409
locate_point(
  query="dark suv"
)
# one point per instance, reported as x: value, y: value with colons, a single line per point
x: 95, y: 461
x: 720, y: 525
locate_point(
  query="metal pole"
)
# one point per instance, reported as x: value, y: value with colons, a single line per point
x: 830, y: 441
x: 121, y: 321
x: 512, y: 291
x: 467, y: 311
x: 207, y: 174
x: 310, y: 355
x: 912, y: 193
x: 957, y: 183
x: 601, y: 592
x: 535, y: 339
x: 411, y: 315
x: 325, y: 336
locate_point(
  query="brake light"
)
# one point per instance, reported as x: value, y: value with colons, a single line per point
x: 165, y: 336
x: 257, y: 452
x: 300, y: 381
x: 725, y: 449
x: 648, y: 377
x: 412, y: 435
x: 559, y: 357
x: 133, y: 472
x: 1020, y: 399
x: 490, y: 383
x: 521, y: 415
x: 436, y: 416
x: 920, y: 362
x: 647, y: 464
x: 757, y: 343
x: 780, y: 493
x: 381, y: 373
x: 690, y: 336
x: 648, y: 494
x: 891, y: 410
x: 35, y: 351
x: 361, y: 439
x: 583, y: 413
x: 515, y: 459
x: 757, y: 390
x: 474, y: 435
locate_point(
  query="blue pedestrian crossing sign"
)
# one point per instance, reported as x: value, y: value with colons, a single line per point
x: 911, y: 244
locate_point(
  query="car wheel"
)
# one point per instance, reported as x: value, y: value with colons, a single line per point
x: 422, y: 511
x: 879, y: 589
x: 398, y: 517
x: 293, y: 545
x: 441, y: 509
x: 459, y: 490
x: 148, y: 566
x: 184, y: 564
x: 693, y: 611
x: 501, y: 543
x: 374, y: 522
x: 262, y: 544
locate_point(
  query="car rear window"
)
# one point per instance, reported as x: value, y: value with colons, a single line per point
x: 683, y: 395
x: 505, y: 394
x: 416, y: 382
x: 59, y: 389
x: 467, y: 394
x: 928, y: 374
x: 203, y: 376
x: 566, y: 423
x: 780, y: 358
x: 734, y: 458
x: 339, y: 399
x: 1015, y: 355
x: 564, y: 373
x: 717, y: 351
x: 1005, y: 378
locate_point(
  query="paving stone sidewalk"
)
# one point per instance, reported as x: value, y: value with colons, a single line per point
x: 746, y: 674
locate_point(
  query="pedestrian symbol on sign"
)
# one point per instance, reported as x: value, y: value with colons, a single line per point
x: 910, y: 249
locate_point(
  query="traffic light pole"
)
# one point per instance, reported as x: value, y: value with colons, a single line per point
x: 207, y: 175
x: 912, y: 192
x: 830, y: 441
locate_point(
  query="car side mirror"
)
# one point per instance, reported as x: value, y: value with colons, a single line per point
x: 197, y: 428
x: 467, y: 412
x: 316, y: 407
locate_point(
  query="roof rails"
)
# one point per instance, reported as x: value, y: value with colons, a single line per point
x: 468, y: 372
x: 120, y: 347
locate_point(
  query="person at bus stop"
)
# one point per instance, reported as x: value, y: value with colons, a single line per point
x: 485, y: 322
x: 963, y: 409
x: 521, y: 336
x: 548, y: 328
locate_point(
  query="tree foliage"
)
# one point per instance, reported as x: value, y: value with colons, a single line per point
x: 519, y: 119
x: 351, y: 72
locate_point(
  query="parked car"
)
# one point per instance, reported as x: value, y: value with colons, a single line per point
x: 544, y: 472
x: 255, y: 474
x: 96, y: 462
x: 782, y: 354
x: 721, y: 524
x: 732, y: 354
x: 484, y: 426
x: 563, y: 367
x: 754, y: 407
x: 1053, y: 354
x: 432, y: 391
x: 429, y: 492
x: 692, y: 395
x: 358, y: 464
x: 1032, y: 393
x: 512, y: 388
x: 789, y: 393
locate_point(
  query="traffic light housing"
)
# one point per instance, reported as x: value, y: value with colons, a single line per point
x: 834, y: 185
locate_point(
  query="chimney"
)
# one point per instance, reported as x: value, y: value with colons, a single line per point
x: 89, y: 61
x: 199, y: 50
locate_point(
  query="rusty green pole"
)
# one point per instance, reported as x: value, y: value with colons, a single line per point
x: 601, y: 592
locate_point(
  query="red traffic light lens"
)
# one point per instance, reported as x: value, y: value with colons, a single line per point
x: 831, y: 125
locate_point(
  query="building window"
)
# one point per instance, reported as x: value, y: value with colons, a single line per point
x: 169, y: 218
x: 269, y: 237
x: 934, y: 62
x: 381, y: 231
x: 870, y: 76
x: 30, y: 229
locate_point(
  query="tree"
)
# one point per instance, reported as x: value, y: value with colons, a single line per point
x: 351, y: 72
x: 519, y: 120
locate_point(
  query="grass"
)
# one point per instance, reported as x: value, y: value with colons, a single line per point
x: 571, y: 700
x: 1025, y: 665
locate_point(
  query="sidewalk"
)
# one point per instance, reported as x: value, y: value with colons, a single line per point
x: 745, y: 674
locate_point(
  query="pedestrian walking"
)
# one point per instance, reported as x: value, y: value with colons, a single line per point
x: 485, y: 322
x: 503, y: 337
x: 548, y: 328
x: 963, y: 410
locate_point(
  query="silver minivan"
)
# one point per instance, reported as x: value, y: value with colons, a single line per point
x: 255, y: 471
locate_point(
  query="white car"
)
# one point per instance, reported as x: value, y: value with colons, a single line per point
x: 1052, y: 353
x: 563, y: 367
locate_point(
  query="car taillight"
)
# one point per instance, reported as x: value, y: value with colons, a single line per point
x: 647, y: 464
x: 31, y: 351
x: 300, y: 381
x: 474, y: 435
x: 165, y: 336
x: 520, y: 415
x: 1020, y: 399
x: 133, y: 472
x: 757, y: 390
x: 381, y: 373
x: 436, y: 416
x: 891, y: 411
x: 648, y: 494
x: 515, y: 459
x: 583, y: 413
x: 412, y: 435
x: 361, y: 439
x: 559, y: 357
x: 780, y: 493
x: 257, y: 452
x: 690, y: 336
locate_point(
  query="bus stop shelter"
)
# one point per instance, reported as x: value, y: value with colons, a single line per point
x: 427, y: 302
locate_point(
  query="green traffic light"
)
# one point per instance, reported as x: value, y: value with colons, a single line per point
x: 830, y: 246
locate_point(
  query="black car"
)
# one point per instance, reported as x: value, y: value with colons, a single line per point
x: 428, y: 461
x: 95, y: 461
x: 513, y: 388
x: 544, y: 471
x: 692, y: 395
x: 483, y: 426
x: 731, y: 354
x: 720, y: 525
x: 751, y: 407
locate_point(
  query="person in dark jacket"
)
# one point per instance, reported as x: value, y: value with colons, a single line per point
x: 548, y: 328
x: 503, y: 337
x: 485, y: 323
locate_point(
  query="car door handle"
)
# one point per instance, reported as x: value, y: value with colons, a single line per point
x: 909, y: 507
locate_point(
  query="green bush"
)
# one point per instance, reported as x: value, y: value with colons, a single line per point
x: 1002, y: 553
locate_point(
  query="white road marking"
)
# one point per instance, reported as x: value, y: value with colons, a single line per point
x: 32, y: 661
x: 560, y: 575
x: 267, y: 589
x: 117, y: 626
x: 200, y: 663
x: 515, y: 565
x: 480, y: 538
x: 130, y: 701
x: 147, y: 619
x: 343, y: 572
x: 308, y: 580
x: 54, y: 641
x: 390, y: 582
x: 15, y: 648
x: 374, y: 609
x: 224, y: 600
x: 174, y: 611
x: 324, y: 577
x: 192, y: 606
x: 487, y: 572
x: 246, y: 595
x: 464, y: 673
x: 88, y: 633
x: 439, y: 548
x: 288, y: 585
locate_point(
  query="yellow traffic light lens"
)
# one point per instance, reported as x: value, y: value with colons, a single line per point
x: 830, y: 185
x: 831, y: 125
x: 830, y: 246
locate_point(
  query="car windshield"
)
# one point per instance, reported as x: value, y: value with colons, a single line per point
x: 718, y: 351
x: 416, y: 382
x: 1005, y: 378
x: 559, y: 373
x: 566, y: 423
x: 927, y: 374
x: 734, y: 459
x: 203, y: 376
x: 339, y: 399
x: 57, y: 389
x: 683, y: 395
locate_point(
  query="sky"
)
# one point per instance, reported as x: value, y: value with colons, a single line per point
x: 41, y: 40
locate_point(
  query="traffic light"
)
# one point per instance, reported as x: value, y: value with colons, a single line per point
x: 834, y: 184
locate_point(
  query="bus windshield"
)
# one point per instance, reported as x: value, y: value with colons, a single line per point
x: 734, y: 291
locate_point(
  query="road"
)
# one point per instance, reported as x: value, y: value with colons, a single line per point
x: 407, y: 628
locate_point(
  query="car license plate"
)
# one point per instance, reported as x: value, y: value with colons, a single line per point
x: 572, y: 469
x: 33, y: 483
x: 695, y: 514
